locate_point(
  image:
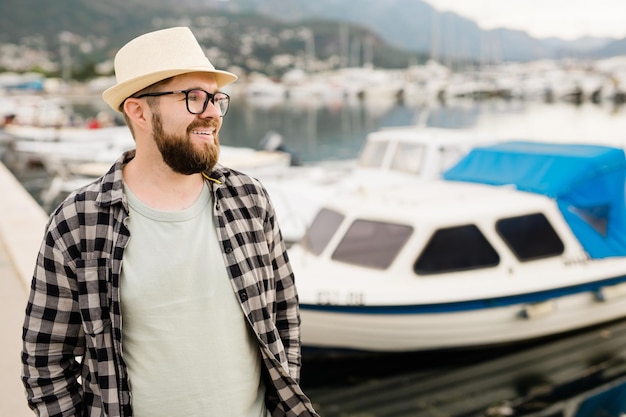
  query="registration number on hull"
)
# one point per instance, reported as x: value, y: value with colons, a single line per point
x: 351, y: 298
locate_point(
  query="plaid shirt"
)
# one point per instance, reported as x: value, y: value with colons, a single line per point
x: 74, y: 305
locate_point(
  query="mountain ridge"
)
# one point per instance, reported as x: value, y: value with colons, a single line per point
x: 392, y: 19
x: 401, y: 32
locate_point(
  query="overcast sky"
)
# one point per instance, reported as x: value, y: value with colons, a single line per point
x: 566, y: 19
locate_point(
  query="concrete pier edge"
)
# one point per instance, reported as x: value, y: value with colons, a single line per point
x: 22, y: 223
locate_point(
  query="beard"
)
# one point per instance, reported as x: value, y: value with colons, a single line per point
x: 180, y: 154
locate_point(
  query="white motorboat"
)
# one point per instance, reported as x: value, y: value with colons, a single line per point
x: 94, y: 145
x: 62, y: 133
x: 520, y: 240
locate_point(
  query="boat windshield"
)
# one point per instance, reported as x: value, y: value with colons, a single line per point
x: 373, y: 154
x: 530, y: 237
x: 453, y: 249
x: 322, y: 230
x: 372, y: 244
x: 408, y: 158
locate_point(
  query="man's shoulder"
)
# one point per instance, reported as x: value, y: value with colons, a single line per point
x: 240, y: 186
x: 90, y: 199
x: 234, y: 177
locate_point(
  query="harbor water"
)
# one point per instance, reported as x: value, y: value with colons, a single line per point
x: 317, y: 133
x: 320, y: 131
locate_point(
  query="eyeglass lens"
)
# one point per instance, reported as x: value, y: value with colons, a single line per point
x: 197, y: 100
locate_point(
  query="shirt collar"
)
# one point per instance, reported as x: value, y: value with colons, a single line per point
x: 112, y: 183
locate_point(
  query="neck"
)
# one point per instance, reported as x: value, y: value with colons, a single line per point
x: 156, y: 185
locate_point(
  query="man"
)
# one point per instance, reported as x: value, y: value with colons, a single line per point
x: 164, y: 287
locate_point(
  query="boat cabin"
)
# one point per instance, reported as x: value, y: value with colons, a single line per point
x: 418, y: 152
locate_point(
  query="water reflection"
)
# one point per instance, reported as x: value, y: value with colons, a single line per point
x: 332, y: 131
x: 313, y: 131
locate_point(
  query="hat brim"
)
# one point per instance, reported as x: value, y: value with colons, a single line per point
x: 115, y: 96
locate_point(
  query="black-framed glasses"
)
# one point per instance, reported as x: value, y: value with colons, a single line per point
x: 197, y: 99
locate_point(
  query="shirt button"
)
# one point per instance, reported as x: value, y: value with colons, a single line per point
x: 228, y: 249
x: 243, y: 296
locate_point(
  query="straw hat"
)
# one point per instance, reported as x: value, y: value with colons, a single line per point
x: 155, y: 56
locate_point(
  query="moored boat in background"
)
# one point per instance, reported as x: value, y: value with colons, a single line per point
x: 393, y: 155
x: 521, y: 240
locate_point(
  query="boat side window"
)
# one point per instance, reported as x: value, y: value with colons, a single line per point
x: 373, y: 154
x: 408, y: 158
x: 372, y: 244
x: 530, y: 237
x: 458, y: 248
x: 322, y: 230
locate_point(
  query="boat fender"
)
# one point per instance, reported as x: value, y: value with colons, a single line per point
x: 611, y: 292
x: 537, y: 310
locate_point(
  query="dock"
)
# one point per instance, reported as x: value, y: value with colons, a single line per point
x: 22, y: 223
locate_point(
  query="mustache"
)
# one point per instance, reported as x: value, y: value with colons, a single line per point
x: 202, y: 123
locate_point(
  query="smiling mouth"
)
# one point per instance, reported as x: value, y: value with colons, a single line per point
x: 203, y: 132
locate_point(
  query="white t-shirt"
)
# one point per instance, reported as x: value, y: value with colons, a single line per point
x: 186, y: 341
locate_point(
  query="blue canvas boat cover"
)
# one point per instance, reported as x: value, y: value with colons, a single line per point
x: 606, y: 402
x: 586, y: 181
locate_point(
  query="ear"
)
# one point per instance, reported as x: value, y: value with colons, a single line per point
x: 137, y: 111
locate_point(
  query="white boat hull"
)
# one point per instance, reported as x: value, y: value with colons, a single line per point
x: 385, y: 330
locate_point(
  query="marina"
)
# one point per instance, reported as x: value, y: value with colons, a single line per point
x: 449, y: 179
x: 542, y: 378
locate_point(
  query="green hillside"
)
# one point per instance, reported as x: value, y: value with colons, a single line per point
x: 93, y: 30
